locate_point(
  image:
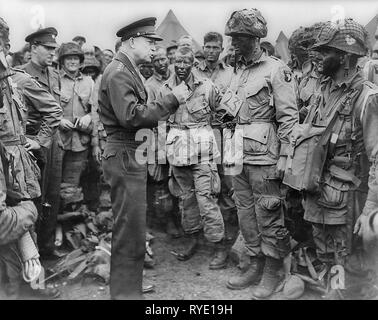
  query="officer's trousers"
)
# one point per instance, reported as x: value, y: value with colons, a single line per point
x: 200, y: 185
x: 260, y: 211
x: 128, y: 182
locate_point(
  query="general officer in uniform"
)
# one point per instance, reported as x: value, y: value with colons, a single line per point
x: 123, y: 111
x: 266, y: 118
x: 43, y: 45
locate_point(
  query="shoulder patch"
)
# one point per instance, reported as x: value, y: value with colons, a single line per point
x: 288, y: 76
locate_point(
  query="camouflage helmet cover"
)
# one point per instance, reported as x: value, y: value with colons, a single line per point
x: 302, y: 40
x: 70, y: 48
x: 345, y: 35
x: 4, y: 30
x: 248, y: 22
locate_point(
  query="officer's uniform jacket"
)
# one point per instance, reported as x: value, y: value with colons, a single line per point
x: 269, y: 111
x: 76, y: 100
x: 123, y: 100
x: 48, y: 77
x: 43, y: 111
x: 190, y: 138
x: 354, y: 142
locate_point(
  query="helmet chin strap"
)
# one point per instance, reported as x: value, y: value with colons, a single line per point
x: 346, y: 64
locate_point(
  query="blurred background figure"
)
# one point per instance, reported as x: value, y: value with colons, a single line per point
x: 171, y: 50
x: 108, y: 56
x: 80, y: 40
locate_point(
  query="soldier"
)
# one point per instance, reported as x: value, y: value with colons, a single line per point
x: 95, y: 190
x: 22, y: 177
x: 108, y: 56
x: 76, y: 126
x: 191, y: 151
x: 158, y: 173
x: 80, y: 40
x: 266, y: 118
x: 306, y: 62
x: 43, y: 45
x: 146, y: 70
x: 123, y: 111
x: 220, y: 74
x: 171, y: 50
x: 15, y: 220
x: 346, y: 106
x: 370, y: 68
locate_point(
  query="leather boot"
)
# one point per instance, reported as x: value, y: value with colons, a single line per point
x: 171, y: 228
x: 220, y: 256
x: 190, y: 247
x: 249, y: 276
x: 270, y: 279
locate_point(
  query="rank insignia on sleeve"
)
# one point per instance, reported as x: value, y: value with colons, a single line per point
x: 288, y: 76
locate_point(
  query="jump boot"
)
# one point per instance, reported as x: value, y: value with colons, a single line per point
x: 220, y: 256
x: 190, y: 247
x: 249, y: 276
x: 270, y: 279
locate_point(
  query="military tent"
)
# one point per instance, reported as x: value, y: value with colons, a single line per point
x: 171, y: 29
x: 371, y: 28
x: 282, y: 47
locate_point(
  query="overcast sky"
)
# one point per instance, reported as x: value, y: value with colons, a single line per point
x: 98, y: 20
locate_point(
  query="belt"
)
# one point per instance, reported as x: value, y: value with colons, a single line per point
x: 16, y: 141
x: 122, y: 136
x: 255, y: 120
x: 188, y: 126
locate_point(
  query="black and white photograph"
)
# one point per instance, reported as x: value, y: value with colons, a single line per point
x: 188, y: 150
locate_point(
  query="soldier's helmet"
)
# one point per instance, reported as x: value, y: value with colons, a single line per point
x: 346, y: 35
x: 91, y: 62
x: 4, y: 30
x: 69, y: 49
x: 302, y: 40
x: 247, y: 22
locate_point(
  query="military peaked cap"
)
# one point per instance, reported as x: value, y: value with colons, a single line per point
x: 141, y: 28
x: 44, y: 37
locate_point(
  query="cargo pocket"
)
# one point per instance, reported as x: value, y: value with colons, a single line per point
x: 270, y: 203
x: 199, y: 108
x: 257, y: 94
x: 333, y: 193
x: 109, y: 153
x: 255, y: 140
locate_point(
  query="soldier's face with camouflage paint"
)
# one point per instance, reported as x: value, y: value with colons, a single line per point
x: 183, y: 65
x: 160, y: 62
x: 330, y: 63
x: 244, y: 45
x: 71, y: 63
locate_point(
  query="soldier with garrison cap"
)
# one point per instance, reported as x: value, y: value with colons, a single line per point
x: 346, y: 107
x: 124, y: 110
x: 43, y: 46
x: 266, y: 118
